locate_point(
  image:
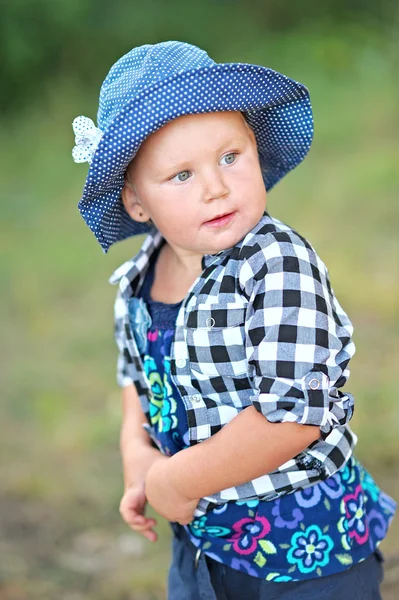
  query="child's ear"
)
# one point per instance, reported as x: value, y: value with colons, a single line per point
x: 132, y: 204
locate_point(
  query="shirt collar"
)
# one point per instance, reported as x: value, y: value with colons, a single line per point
x: 210, y: 259
x: 134, y: 267
x: 126, y: 273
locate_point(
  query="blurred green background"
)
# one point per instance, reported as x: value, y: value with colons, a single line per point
x: 61, y: 534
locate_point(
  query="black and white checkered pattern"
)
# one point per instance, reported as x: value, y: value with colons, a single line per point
x: 260, y: 326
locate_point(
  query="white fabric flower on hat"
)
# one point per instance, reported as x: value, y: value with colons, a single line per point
x: 87, y: 138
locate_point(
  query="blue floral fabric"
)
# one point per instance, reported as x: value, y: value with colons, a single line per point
x: 321, y: 530
x: 166, y: 412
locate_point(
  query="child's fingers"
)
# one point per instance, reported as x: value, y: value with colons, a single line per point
x: 134, y: 517
x: 145, y: 529
x: 142, y: 523
x: 137, y: 520
x: 150, y: 535
x: 130, y: 513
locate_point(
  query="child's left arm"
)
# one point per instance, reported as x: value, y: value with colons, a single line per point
x: 247, y: 447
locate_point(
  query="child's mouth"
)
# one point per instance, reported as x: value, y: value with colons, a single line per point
x: 221, y: 221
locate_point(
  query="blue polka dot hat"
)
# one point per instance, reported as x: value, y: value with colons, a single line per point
x: 153, y: 84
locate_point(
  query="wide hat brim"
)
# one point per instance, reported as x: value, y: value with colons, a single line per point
x: 277, y: 108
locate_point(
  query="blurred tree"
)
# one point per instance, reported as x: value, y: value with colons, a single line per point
x: 290, y: 13
x: 41, y: 40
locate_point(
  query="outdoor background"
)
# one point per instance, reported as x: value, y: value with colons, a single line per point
x: 61, y: 536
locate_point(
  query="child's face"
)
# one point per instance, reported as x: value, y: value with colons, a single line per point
x: 198, y: 179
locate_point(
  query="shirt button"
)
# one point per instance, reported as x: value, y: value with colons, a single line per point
x: 196, y: 398
x: 210, y: 322
x: 314, y: 384
x: 180, y: 363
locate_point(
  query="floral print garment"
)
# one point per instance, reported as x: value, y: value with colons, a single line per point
x: 321, y: 530
x: 166, y: 412
x: 153, y: 324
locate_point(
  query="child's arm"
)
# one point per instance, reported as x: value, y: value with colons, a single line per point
x: 135, y: 444
x: 247, y: 447
x: 137, y: 457
x: 137, y: 451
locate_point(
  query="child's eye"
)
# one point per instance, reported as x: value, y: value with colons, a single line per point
x: 182, y: 176
x: 229, y: 158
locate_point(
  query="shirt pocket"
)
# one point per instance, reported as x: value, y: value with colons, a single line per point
x: 216, y: 340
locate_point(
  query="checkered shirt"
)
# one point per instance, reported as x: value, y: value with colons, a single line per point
x: 262, y: 326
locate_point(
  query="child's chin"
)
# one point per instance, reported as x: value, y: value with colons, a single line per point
x: 225, y: 244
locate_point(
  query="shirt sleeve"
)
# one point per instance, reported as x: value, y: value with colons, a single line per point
x: 124, y: 361
x: 298, y: 338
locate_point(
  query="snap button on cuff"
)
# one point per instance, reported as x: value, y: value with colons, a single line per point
x: 314, y: 384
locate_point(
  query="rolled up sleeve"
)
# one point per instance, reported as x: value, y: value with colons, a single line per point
x: 298, y: 338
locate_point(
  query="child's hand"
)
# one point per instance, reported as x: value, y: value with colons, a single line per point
x: 164, y: 497
x: 132, y: 508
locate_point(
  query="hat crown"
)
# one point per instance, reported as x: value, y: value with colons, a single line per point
x: 141, y: 68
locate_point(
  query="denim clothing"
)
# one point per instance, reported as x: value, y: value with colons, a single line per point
x: 212, y: 580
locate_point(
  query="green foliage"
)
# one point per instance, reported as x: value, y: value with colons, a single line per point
x: 43, y: 40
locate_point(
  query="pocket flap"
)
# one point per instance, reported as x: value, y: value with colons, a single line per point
x: 203, y: 317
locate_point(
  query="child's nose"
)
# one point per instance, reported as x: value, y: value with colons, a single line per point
x: 214, y: 186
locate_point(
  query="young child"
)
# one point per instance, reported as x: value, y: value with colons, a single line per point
x: 226, y: 308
